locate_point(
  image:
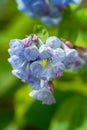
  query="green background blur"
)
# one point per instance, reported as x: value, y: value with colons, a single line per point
x: 18, y: 111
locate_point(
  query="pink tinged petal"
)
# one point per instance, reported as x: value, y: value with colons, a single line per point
x: 27, y: 41
x: 68, y: 44
x: 59, y: 74
x: 51, y: 86
x: 34, y: 38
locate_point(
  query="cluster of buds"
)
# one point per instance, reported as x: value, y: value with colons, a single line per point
x: 38, y: 63
x: 48, y: 11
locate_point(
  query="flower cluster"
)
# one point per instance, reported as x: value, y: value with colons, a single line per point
x: 49, y: 11
x: 38, y: 64
x: 82, y: 59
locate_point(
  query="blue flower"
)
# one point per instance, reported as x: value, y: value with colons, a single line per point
x: 40, y: 9
x: 59, y: 55
x: 48, y: 11
x: 31, y: 53
x: 33, y: 81
x: 53, y: 42
x: 65, y: 2
x: 22, y: 53
x: 45, y: 52
x: 77, y: 65
x: 38, y: 64
x: 21, y: 72
x: 14, y: 48
x: 33, y: 8
x: 58, y: 67
x: 15, y: 61
x: 37, y: 68
x: 53, y: 18
x: 71, y: 54
x: 44, y: 94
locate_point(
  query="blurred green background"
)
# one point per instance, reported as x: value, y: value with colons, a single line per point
x: 18, y: 111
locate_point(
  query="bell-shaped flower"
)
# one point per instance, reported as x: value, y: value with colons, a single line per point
x: 59, y: 55
x: 53, y: 42
x: 44, y: 94
x: 31, y: 53
x: 71, y: 54
x: 45, y: 52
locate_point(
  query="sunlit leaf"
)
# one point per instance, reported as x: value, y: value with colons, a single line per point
x: 71, y: 115
x: 41, y: 32
x: 69, y: 26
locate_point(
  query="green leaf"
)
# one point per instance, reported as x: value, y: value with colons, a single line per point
x: 72, y: 84
x: 82, y: 15
x: 40, y: 115
x: 22, y: 102
x: 71, y: 114
x: 6, y: 115
x: 12, y: 126
x: 41, y: 32
x: 69, y: 26
x: 82, y: 73
x: 82, y: 38
x: 8, y: 82
x: 19, y: 28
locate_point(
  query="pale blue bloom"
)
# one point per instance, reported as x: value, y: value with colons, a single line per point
x: 14, y: 48
x: 15, y: 61
x: 41, y: 9
x: 37, y: 68
x: 58, y: 67
x: 45, y: 52
x: 53, y: 18
x: 47, y: 74
x: 31, y: 53
x: 53, y: 42
x: 33, y: 81
x: 39, y: 71
x: 65, y: 2
x: 59, y: 55
x: 71, y: 54
x: 77, y: 65
x: 21, y: 72
x: 44, y: 94
x: 22, y: 53
x: 48, y: 11
x: 36, y: 63
x: 34, y: 8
